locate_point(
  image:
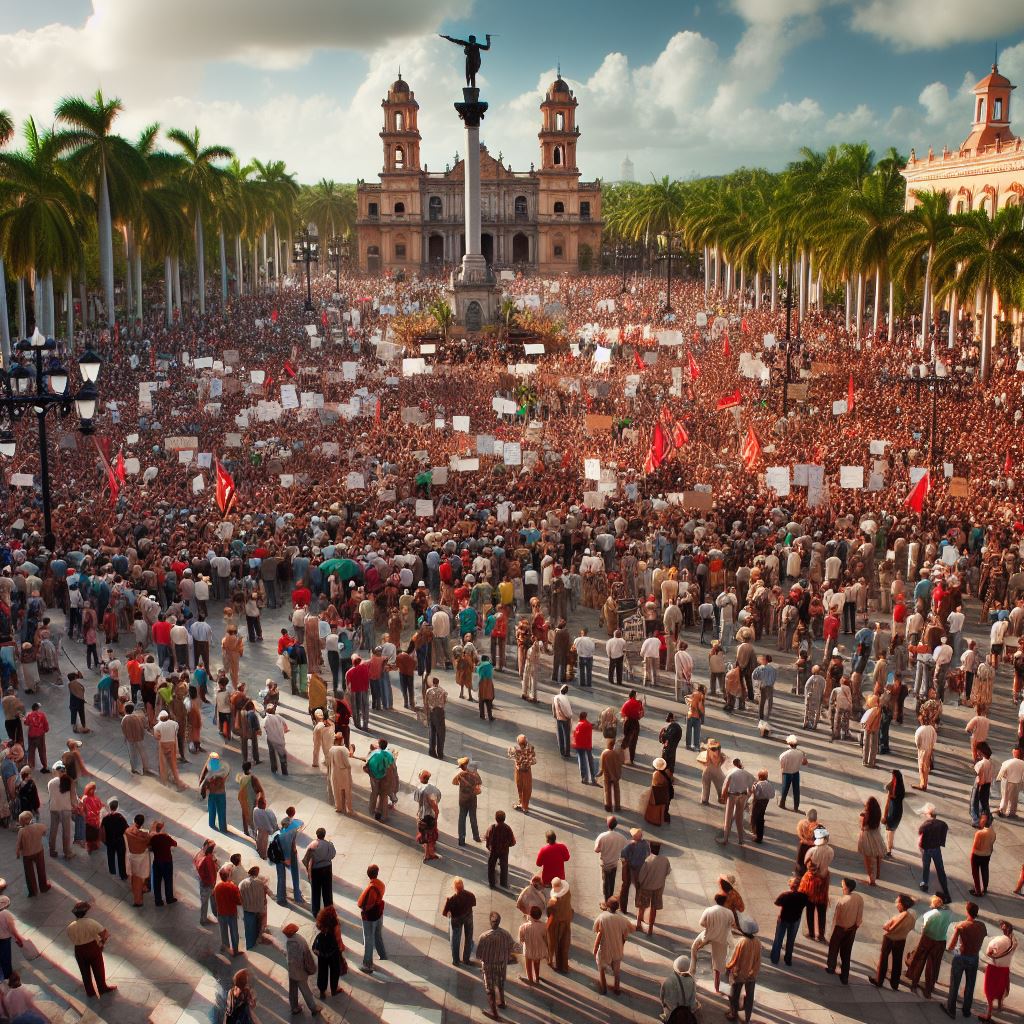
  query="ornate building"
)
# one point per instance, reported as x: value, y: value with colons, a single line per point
x: 544, y: 219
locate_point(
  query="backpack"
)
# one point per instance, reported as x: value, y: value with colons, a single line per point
x: 275, y: 849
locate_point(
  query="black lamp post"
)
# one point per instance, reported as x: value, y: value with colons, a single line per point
x: 624, y: 254
x: 925, y: 375
x: 334, y: 257
x: 667, y: 239
x: 306, y: 249
x: 50, y: 392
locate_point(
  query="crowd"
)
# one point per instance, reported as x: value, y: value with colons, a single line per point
x: 406, y: 521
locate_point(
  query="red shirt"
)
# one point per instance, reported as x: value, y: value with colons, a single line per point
x: 633, y: 708
x: 358, y: 678
x: 830, y: 627
x: 37, y: 724
x: 301, y: 597
x: 583, y: 736
x: 179, y: 567
x: 162, y: 633
x: 551, y: 860
x: 227, y: 899
x: 899, y: 612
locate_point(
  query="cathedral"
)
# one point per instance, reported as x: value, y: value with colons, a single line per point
x: 544, y: 219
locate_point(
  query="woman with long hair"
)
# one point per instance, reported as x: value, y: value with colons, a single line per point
x: 999, y: 954
x: 869, y: 843
x: 895, y: 794
x: 241, y: 1001
x: 328, y: 947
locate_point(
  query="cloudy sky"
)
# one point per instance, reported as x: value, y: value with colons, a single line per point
x: 684, y: 88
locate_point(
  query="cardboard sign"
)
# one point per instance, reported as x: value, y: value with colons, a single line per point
x: 424, y: 508
x: 439, y: 475
x: 198, y: 484
x: 233, y: 440
x: 851, y: 478
x: 205, y: 460
x: 22, y: 480
x: 289, y: 396
x: 173, y: 444
x: 777, y: 478
x: 257, y: 376
x: 595, y: 424
x: 504, y: 406
x: 513, y: 453
x: 592, y: 469
x: 131, y: 467
x: 355, y: 482
x: 185, y: 455
x: 468, y: 465
x: 959, y: 487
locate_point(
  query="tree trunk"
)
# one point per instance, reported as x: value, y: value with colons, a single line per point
x: 277, y: 257
x: 878, y: 302
x: 200, y: 264
x: 263, y: 257
x: 106, y: 248
x: 953, y: 311
x: 255, y: 283
x: 986, y: 335
x: 892, y: 312
x: 707, y: 271
x: 803, y: 285
x: 860, y: 306
x: 168, y: 293
x: 69, y: 298
x: 239, y: 267
x: 83, y: 299
x: 176, y: 267
x: 849, y: 301
x: 926, y: 304
x: 51, y: 312
x: 5, y: 322
x: 129, y: 284
x: 757, y: 290
x: 223, y: 271
x: 775, y: 287
x: 22, y: 312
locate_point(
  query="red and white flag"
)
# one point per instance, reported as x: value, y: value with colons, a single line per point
x: 225, y: 491
x: 750, y: 453
x: 728, y: 401
x: 915, y: 499
x: 694, y: 366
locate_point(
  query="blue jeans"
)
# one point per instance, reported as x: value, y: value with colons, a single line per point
x: 163, y: 656
x: 462, y: 928
x: 563, y: 737
x: 929, y: 857
x: 6, y: 967
x: 386, y: 695
x: 785, y: 930
x: 228, y: 930
x: 468, y: 811
x: 217, y: 807
x: 361, y: 709
x: 251, y: 923
x: 282, y: 881
x: 791, y: 781
x: 965, y: 967
x: 693, y: 734
x: 373, y: 938
x: 586, y: 666
x: 979, y: 801
x: 585, y: 757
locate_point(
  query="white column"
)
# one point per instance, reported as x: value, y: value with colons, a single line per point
x: 472, y: 191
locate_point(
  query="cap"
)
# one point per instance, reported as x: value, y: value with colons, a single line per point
x: 290, y: 928
x: 636, y: 833
x: 163, y: 716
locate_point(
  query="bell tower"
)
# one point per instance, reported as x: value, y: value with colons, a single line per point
x: 558, y: 134
x: 401, y: 134
x: 991, y: 113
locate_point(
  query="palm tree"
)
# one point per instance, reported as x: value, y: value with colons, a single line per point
x: 6, y: 132
x: 203, y: 181
x: 6, y: 127
x: 330, y: 206
x: 279, y: 193
x: 987, y: 253
x: 443, y: 316
x: 927, y: 227
x: 106, y: 164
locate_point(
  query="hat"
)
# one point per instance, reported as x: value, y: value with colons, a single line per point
x: 59, y: 766
x: 463, y: 762
x: 81, y: 907
x: 659, y: 764
x: 636, y: 833
x: 792, y: 740
x: 559, y: 887
x: 747, y: 924
x: 820, y: 836
x: 290, y: 929
x: 163, y: 716
x: 681, y: 965
x: 730, y: 878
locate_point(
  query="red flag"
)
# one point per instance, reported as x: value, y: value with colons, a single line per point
x: 323, y: 318
x: 640, y: 364
x: 288, y: 368
x: 119, y: 469
x: 666, y: 416
x: 115, y: 487
x: 725, y: 346
x: 915, y: 499
x: 225, y: 492
x: 743, y: 326
x: 649, y: 464
x: 849, y: 396
x: 658, y: 444
x: 694, y: 368
x: 273, y: 315
x: 728, y: 401
x: 1008, y: 465
x: 103, y: 448
x: 679, y: 435
x: 750, y: 453
x: 376, y: 412
x: 696, y: 335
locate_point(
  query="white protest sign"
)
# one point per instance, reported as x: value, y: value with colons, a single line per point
x: 602, y: 355
x: 424, y: 508
x: 513, y: 453
x: 150, y: 474
x: 185, y: 455
x: 287, y: 479
x: 289, y: 396
x: 131, y: 466
x: 839, y: 408
x: 916, y: 472
x: 203, y: 363
x: 232, y: 440
x: 535, y: 349
x: 22, y: 480
x: 439, y: 475
x: 411, y: 367
x: 484, y: 444
x: 204, y: 460
x: 777, y: 478
x: 468, y: 465
x: 355, y: 482
x: 877, y: 447
x: 198, y: 484
x: 460, y: 424
x: 851, y: 478
x: 427, y: 349
x: 592, y: 469
x: 257, y: 376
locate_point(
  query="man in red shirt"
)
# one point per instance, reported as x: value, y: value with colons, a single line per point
x: 226, y: 901
x: 357, y: 679
x: 582, y: 743
x: 37, y: 726
x: 301, y: 596
x: 134, y: 668
x: 552, y: 859
x: 830, y: 633
x: 162, y: 639
x: 499, y: 633
x: 632, y: 711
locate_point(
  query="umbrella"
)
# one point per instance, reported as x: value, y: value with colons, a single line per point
x: 344, y: 567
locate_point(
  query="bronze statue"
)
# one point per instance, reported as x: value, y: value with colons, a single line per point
x: 472, y: 50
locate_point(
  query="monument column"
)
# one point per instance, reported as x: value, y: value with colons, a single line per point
x: 472, y: 110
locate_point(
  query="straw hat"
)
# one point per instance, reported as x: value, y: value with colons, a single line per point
x: 792, y: 740
x: 559, y: 888
x: 659, y: 764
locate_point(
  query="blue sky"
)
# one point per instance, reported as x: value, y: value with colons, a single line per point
x: 683, y: 88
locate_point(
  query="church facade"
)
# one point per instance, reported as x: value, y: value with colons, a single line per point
x: 545, y: 219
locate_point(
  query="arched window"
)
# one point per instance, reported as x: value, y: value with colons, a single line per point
x: 980, y: 116
x: 559, y: 208
x: 434, y: 208
x: 560, y: 122
x: 558, y: 156
x: 399, y: 209
x: 399, y: 121
x: 997, y: 110
x: 399, y: 157
x: 520, y: 208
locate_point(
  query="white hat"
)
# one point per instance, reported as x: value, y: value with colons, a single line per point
x: 792, y: 740
x: 659, y: 764
x: 681, y: 965
x: 163, y: 716
x: 559, y: 887
x: 820, y: 836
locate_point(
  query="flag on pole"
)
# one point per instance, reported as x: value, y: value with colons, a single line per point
x: 112, y: 484
x: 728, y: 401
x: 915, y: 499
x: 273, y: 315
x: 750, y: 453
x: 323, y: 318
x: 288, y: 368
x: 656, y: 453
x: 694, y: 367
x: 679, y: 435
x: 640, y: 364
x: 725, y: 346
x: 1008, y: 464
x: 649, y: 464
x: 122, y: 476
x: 849, y: 396
x: 225, y: 492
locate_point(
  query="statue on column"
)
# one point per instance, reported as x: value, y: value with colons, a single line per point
x: 472, y: 50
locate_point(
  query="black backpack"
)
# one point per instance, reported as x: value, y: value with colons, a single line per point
x: 275, y: 850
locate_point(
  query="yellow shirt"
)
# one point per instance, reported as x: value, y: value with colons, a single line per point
x: 84, y: 930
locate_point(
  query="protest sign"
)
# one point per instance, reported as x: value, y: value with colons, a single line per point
x: 959, y: 487
x: 460, y: 424
x: 592, y: 469
x: 424, y: 508
x: 439, y: 475
x: 851, y: 478
x: 777, y: 478
x: 513, y: 453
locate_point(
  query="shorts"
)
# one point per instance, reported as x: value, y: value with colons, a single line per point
x: 649, y: 898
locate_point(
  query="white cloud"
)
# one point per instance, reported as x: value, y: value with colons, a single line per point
x: 853, y: 124
x: 804, y: 112
x: 932, y: 24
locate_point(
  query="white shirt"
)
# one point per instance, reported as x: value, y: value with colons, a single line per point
x: 791, y: 760
x: 955, y: 621
x: 717, y: 923
x: 684, y: 665
x: 166, y: 731
x: 924, y: 738
x: 274, y: 727
x: 610, y: 845
x: 833, y: 566
x: 1012, y: 771
x: 998, y: 632
x: 615, y: 647
x: 584, y: 646
x: 943, y: 655
x: 561, y: 708
x: 650, y: 648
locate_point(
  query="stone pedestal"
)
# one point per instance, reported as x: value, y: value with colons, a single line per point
x: 474, y: 295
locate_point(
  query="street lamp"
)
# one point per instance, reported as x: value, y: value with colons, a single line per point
x: 624, y: 253
x: 921, y: 375
x: 667, y: 241
x: 50, y: 392
x: 306, y: 249
x: 338, y: 250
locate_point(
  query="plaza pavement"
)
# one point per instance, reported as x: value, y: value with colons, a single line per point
x: 169, y: 971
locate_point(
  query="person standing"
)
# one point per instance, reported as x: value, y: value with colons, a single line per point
x: 523, y: 757
x: 791, y: 904
x: 226, y: 901
x: 894, y: 941
x: 561, y: 712
x: 924, y: 739
x: 634, y: 853
x: 816, y: 879
x: 133, y: 728
x: 318, y: 861
x: 615, y: 649
x: 743, y: 967
x: 253, y: 893
x: 559, y: 926
x: 458, y: 908
x: 213, y: 786
x: 679, y: 990
x: 892, y: 813
x: 89, y: 937
x: 137, y: 841
x: 493, y: 949
x: 965, y: 945
x: 552, y: 858
x: 287, y: 837
x: 790, y: 762
x: 61, y: 793
x: 37, y: 726
x: 927, y: 955
x: 371, y: 911
x: 435, y: 698
x: 205, y: 863
x: 931, y: 839
x: 583, y: 743
x: 849, y: 916
x: 650, y: 887
x: 161, y: 845
x: 981, y: 853
x: 28, y: 848
x: 329, y: 946
x: 274, y: 728
x: 715, y: 925
x: 761, y: 796
x: 499, y: 839
x: 999, y: 954
x: 610, y: 773
x: 467, y: 778
x: 611, y: 930
x: 585, y: 647
x: 301, y: 964
x: 631, y: 712
x: 985, y: 773
x: 1011, y: 776
x: 738, y: 784
x: 609, y: 846
x: 339, y: 776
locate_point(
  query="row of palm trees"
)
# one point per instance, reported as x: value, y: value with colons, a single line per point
x: 834, y: 225
x: 79, y: 192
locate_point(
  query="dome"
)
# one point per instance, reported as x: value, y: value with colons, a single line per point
x: 558, y: 85
x: 400, y: 85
